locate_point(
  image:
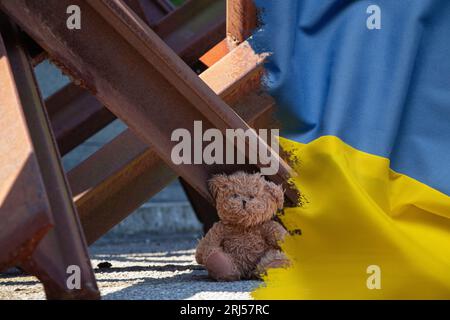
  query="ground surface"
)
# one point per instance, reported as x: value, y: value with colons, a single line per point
x: 144, y: 268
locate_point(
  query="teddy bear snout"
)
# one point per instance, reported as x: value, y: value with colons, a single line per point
x: 244, y: 202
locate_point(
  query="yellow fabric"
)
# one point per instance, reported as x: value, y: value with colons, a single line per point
x: 361, y: 213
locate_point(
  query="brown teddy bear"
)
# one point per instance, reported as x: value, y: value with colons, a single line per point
x: 245, y: 242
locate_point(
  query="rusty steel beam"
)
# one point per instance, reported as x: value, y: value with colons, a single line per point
x: 150, y: 11
x: 75, y: 115
x: 63, y: 245
x: 163, y: 94
x: 115, y: 181
x: 37, y: 55
x: 190, y: 30
x: 153, y: 10
x: 194, y: 28
x: 125, y: 173
x: 216, y: 53
x: 242, y: 20
x: 237, y: 73
x: 24, y: 209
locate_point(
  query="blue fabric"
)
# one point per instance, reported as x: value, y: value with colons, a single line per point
x: 386, y: 92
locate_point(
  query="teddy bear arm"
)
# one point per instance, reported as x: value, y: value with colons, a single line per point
x: 211, y: 242
x: 274, y: 232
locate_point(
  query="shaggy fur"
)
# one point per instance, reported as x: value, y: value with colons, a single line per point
x: 244, y: 244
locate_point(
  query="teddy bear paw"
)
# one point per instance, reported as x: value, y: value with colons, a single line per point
x: 221, y: 268
x: 272, y: 259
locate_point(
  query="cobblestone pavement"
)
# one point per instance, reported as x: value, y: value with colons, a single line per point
x: 142, y: 268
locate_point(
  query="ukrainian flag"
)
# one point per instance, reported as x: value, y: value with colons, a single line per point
x: 363, y: 89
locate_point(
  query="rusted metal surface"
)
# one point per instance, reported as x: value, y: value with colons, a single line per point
x: 75, y: 115
x: 242, y: 20
x: 163, y: 94
x: 237, y: 73
x: 219, y: 51
x: 136, y: 6
x: 150, y: 11
x: 115, y: 181
x: 190, y: 30
x: 194, y: 28
x: 153, y: 10
x: 24, y: 210
x: 35, y: 52
x: 63, y: 245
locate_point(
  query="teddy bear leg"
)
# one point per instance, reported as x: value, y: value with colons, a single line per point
x: 221, y: 267
x: 271, y: 259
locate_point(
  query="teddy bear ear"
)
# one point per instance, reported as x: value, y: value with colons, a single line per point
x: 217, y: 183
x: 276, y: 192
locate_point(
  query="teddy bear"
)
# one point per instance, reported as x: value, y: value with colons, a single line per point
x: 245, y: 242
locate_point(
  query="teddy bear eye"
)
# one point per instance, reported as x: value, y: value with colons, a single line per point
x: 252, y: 197
x: 235, y: 195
